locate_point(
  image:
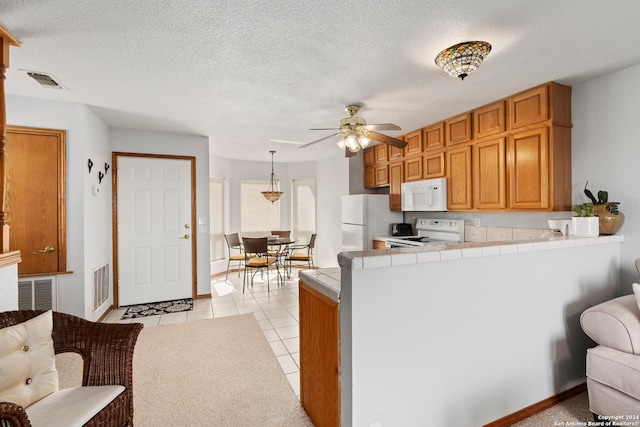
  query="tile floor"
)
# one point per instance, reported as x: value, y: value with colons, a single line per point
x: 276, y: 312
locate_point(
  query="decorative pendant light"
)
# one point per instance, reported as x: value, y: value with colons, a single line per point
x: 463, y: 59
x: 272, y: 194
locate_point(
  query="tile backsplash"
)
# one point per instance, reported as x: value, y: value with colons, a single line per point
x: 498, y: 234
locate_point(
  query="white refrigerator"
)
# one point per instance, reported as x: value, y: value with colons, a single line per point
x: 365, y: 216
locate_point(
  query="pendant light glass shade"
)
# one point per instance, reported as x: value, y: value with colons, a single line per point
x: 272, y: 194
x: 463, y: 59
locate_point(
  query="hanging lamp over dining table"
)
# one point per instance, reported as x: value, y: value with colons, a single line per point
x: 272, y: 194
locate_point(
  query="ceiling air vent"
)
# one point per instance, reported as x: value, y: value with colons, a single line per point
x: 45, y: 80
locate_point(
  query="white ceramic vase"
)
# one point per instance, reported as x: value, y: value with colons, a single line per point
x: 587, y: 226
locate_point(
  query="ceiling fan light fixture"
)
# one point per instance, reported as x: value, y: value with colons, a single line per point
x: 272, y: 194
x: 462, y: 59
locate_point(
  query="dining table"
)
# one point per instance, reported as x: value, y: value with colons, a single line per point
x: 280, y: 246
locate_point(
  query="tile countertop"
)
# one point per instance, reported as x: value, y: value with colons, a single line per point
x: 324, y: 280
x: 327, y: 280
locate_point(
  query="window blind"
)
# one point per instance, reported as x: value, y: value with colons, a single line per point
x: 304, y: 209
x: 216, y: 218
x: 258, y: 216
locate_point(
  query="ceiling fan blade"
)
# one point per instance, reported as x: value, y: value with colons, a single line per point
x: 319, y: 140
x: 325, y: 129
x: 387, y: 139
x: 285, y: 141
x: 382, y: 126
x: 349, y: 153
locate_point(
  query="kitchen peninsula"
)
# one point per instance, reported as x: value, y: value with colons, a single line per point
x: 461, y: 336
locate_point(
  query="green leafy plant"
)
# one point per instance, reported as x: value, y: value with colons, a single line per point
x: 603, y: 196
x: 603, y: 199
x: 583, y: 210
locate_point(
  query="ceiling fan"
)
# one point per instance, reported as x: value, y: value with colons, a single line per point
x: 356, y: 134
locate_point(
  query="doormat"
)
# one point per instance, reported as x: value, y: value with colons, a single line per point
x: 158, y: 308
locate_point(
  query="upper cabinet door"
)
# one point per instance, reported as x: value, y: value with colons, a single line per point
x: 528, y: 166
x: 414, y: 143
x: 529, y: 107
x: 488, y: 120
x: 382, y: 153
x: 369, y: 156
x: 434, y: 137
x: 458, y: 129
x: 489, y: 177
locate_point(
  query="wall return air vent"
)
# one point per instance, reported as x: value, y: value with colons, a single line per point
x: 45, y: 80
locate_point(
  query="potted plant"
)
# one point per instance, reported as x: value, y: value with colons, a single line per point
x: 585, y: 224
x: 610, y: 218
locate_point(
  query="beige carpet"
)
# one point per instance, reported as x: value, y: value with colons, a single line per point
x: 217, y: 372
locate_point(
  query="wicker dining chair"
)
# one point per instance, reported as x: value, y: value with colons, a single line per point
x: 107, y: 353
x: 281, y: 233
x: 233, y: 243
x: 257, y: 258
x: 302, y: 257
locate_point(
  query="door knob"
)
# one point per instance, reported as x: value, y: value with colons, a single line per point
x: 187, y: 226
x: 47, y: 249
x: 186, y: 236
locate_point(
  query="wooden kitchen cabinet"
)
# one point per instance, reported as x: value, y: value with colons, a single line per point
x: 369, y: 155
x: 319, y: 356
x: 376, y: 166
x: 459, y: 189
x: 413, y: 168
x: 458, y: 129
x: 489, y: 175
x: 395, y: 185
x: 396, y: 153
x: 528, y: 107
x: 488, y: 120
x: 433, y: 165
x: 414, y: 143
x: 528, y: 165
x: 539, y: 169
x: 382, y: 153
x: 379, y: 244
x: 434, y: 137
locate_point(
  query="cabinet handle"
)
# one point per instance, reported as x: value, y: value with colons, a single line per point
x: 47, y: 249
x: 186, y: 236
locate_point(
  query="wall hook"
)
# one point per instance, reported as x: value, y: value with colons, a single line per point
x: 100, y: 176
x: 106, y: 168
x: 90, y: 164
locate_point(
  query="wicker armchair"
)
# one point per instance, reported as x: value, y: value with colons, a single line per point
x: 107, y: 352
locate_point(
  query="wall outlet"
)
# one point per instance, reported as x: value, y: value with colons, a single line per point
x: 476, y: 222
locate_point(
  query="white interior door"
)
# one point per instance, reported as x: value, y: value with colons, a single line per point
x: 154, y: 230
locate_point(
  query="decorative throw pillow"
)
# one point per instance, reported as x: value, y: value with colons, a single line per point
x: 636, y: 291
x: 27, y: 361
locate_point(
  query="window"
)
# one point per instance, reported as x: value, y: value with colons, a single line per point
x: 258, y: 216
x: 304, y: 209
x: 216, y: 218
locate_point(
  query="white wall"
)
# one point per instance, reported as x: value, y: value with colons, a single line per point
x: 465, y: 342
x: 131, y: 141
x: 88, y: 217
x: 605, y: 152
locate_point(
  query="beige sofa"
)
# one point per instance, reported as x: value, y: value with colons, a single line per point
x: 613, y: 367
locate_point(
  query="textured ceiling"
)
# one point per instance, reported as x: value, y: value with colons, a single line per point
x: 245, y: 72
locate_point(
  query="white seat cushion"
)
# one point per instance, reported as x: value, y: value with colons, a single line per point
x: 72, y: 406
x: 27, y: 361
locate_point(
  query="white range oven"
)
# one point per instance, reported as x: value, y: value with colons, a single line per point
x: 433, y: 233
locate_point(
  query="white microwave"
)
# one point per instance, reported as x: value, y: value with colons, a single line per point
x: 426, y: 195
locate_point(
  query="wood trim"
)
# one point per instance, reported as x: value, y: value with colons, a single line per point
x: 10, y: 258
x: 114, y: 216
x: 538, y: 407
x: 6, y: 40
